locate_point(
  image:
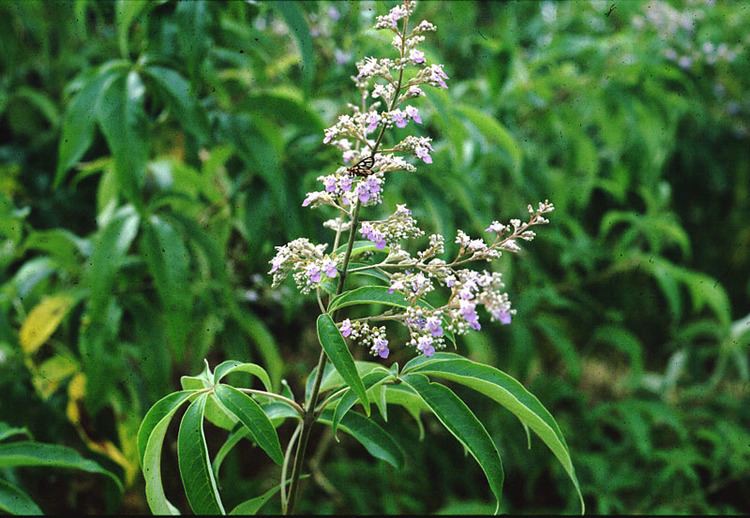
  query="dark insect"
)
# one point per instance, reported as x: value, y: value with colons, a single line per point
x: 363, y: 167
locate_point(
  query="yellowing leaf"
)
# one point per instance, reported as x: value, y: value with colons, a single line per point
x: 76, y: 393
x: 47, y: 378
x: 42, y: 321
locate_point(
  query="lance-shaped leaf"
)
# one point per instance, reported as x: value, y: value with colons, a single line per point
x: 13, y: 500
x: 368, y: 295
x: 252, y: 416
x: 32, y: 453
x: 509, y: 393
x: 123, y: 121
x: 195, y: 466
x: 464, y: 425
x: 379, y: 443
x: 230, y: 366
x: 341, y: 358
x: 150, y: 441
x: 349, y: 398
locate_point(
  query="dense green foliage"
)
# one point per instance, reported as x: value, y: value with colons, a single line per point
x: 153, y: 154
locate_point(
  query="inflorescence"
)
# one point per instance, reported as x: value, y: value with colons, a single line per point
x: 358, y: 135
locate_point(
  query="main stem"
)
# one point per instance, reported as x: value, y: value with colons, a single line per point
x: 309, y: 417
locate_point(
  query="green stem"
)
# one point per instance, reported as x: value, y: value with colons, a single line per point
x: 309, y: 417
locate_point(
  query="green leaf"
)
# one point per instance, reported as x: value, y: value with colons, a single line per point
x: 123, y: 121
x: 78, y: 123
x: 181, y: 98
x: 360, y: 247
x: 235, y: 436
x: 264, y: 341
x: 496, y: 134
x: 370, y: 272
x: 349, y: 398
x: 252, y: 416
x: 230, y: 366
x: 295, y: 19
x: 341, y: 358
x: 464, y: 425
x: 368, y: 295
x: 13, y: 500
x: 168, y: 261
x: 126, y: 11
x: 110, y: 249
x: 508, y: 392
x: 195, y: 466
x: 32, y: 453
x: 405, y: 397
x: 150, y: 441
x: 7, y: 431
x: 379, y: 443
x: 252, y: 506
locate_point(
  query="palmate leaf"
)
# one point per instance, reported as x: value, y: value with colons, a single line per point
x: 464, y: 425
x: 337, y: 351
x: 505, y: 390
x: 195, y: 465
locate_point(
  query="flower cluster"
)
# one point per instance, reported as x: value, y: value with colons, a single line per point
x: 308, y: 264
x: 398, y: 226
x: 386, y: 87
x: 372, y: 337
x: 352, y: 133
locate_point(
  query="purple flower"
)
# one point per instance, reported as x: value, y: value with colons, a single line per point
x: 437, y: 75
x: 342, y: 57
x: 371, y: 234
x: 424, y: 154
x: 346, y: 328
x: 373, y: 119
x: 413, y: 114
x: 434, y: 327
x: 424, y: 344
x: 329, y: 268
x: 380, y: 346
x: 469, y: 313
x: 346, y: 183
x: 334, y: 14
x: 503, y: 315
x: 348, y: 155
x: 308, y: 200
x: 416, y: 56
x: 399, y: 119
x: 276, y: 263
x: 313, y: 273
x: 363, y: 193
x: 330, y: 183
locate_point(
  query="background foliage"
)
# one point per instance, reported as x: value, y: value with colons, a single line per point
x: 152, y: 154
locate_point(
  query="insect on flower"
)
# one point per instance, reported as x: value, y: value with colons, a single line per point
x: 363, y: 167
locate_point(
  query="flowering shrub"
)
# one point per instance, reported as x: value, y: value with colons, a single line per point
x: 398, y: 280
